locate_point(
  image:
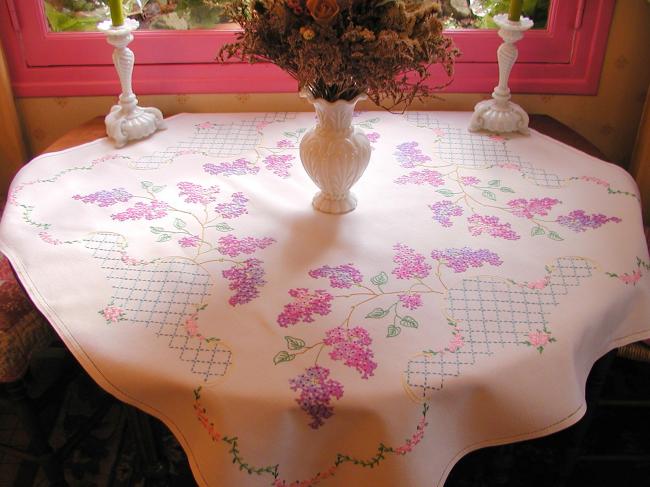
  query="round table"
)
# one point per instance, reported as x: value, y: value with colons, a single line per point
x: 461, y: 305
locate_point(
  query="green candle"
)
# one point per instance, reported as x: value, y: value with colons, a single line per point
x: 515, y: 10
x: 117, y: 14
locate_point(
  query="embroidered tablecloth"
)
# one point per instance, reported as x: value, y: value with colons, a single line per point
x: 460, y: 305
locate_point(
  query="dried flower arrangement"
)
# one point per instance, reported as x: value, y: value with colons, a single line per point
x: 339, y: 49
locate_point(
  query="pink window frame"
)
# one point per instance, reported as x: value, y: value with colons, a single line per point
x: 564, y: 58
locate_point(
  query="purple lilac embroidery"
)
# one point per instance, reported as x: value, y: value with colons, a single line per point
x: 236, y: 207
x: 469, y: 180
x: 490, y: 225
x: 444, y: 210
x: 463, y: 258
x: 579, y: 221
x: 409, y: 155
x: 191, y: 241
x: 195, y: 193
x: 149, y: 211
x: 410, y: 263
x: 535, y: 206
x: 426, y: 176
x: 279, y: 164
x: 353, y: 347
x: 245, y: 279
x: 342, y: 276
x: 239, y: 167
x: 106, y: 198
x: 316, y: 390
x: 232, y: 246
x: 305, y: 305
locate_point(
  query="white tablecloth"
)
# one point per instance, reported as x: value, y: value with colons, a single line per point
x: 460, y: 305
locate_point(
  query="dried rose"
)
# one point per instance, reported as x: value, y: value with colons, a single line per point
x: 307, y: 33
x: 323, y: 11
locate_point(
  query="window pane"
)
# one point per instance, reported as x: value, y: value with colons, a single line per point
x: 478, y: 14
x: 84, y: 15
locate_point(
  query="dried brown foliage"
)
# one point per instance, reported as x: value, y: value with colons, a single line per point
x: 338, y: 49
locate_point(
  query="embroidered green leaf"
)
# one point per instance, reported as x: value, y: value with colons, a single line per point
x: 451, y: 322
x: 157, y: 189
x: 283, y: 356
x: 537, y: 231
x: 373, y: 120
x: 554, y: 235
x: 294, y: 343
x: 393, y: 331
x: 495, y: 183
x: 156, y: 229
x: 180, y: 224
x: 409, y: 322
x: 380, y: 279
x: 164, y: 237
x: 377, y: 313
x: 146, y: 184
x: 505, y: 189
x: 289, y: 134
x: 223, y: 227
x: 489, y: 195
x: 445, y: 192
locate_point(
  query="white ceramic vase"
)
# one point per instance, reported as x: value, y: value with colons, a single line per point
x: 334, y: 154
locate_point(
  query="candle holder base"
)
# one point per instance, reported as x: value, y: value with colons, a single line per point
x: 126, y: 120
x: 122, y: 125
x: 493, y: 116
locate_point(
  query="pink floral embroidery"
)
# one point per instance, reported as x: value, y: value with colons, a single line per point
x: 195, y: 193
x: 192, y: 325
x: 261, y: 125
x: 539, y: 339
x: 284, y: 144
x: 535, y: 206
x: 112, y: 314
x: 456, y: 343
x: 497, y: 138
x: 206, y: 125
x: 598, y: 181
x: 316, y: 390
x: 631, y: 278
x: 305, y: 305
x: 105, y: 198
x: 279, y: 164
x: 202, y: 416
x: 414, y: 440
x: 191, y: 241
x: 411, y: 301
x: 443, y: 210
x: 509, y: 165
x: 126, y: 259
x: 373, y: 137
x: 410, y: 263
x: 245, y: 279
x: 469, y: 180
x: 579, y: 221
x: 426, y: 176
x: 149, y: 211
x: 492, y: 226
x: 47, y: 238
x: 439, y: 132
x: 353, y: 347
x: 232, y: 246
x: 409, y: 155
x: 540, y: 283
x: 341, y: 277
x: 316, y: 479
x: 239, y: 167
x: 236, y: 207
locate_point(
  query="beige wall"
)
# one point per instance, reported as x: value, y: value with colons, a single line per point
x: 609, y: 120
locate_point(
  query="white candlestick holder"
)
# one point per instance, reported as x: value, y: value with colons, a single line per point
x: 127, y: 121
x: 500, y: 114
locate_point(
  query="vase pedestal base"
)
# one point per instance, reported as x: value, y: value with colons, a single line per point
x: 499, y: 116
x: 329, y: 204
